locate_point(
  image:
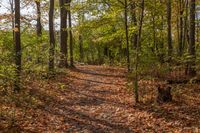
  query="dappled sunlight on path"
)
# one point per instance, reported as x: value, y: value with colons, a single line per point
x: 92, y: 99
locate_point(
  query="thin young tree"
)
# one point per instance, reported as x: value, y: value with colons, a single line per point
x: 181, y: 27
x: 11, y: 3
x: 70, y: 35
x: 134, y: 22
x: 137, y: 51
x: 169, y: 31
x: 126, y: 32
x: 81, y: 17
x: 80, y: 37
x: 51, y: 37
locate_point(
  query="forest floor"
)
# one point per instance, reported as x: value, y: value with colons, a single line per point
x: 97, y: 99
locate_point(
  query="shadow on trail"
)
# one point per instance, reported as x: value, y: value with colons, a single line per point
x: 99, y: 99
x: 98, y: 74
x: 185, y: 114
x: 95, y: 81
x: 78, y: 120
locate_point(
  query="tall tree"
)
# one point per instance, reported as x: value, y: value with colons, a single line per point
x: 39, y: 25
x: 181, y: 26
x: 138, y: 48
x: 80, y: 37
x: 126, y: 31
x: 169, y: 32
x: 185, y: 33
x: 191, y: 65
x: 51, y: 37
x: 70, y: 35
x: 81, y: 18
x: 11, y: 3
x: 17, y: 45
x: 134, y: 22
x: 63, y: 34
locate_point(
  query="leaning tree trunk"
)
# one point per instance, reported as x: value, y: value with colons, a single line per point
x: 52, y: 37
x: 17, y: 45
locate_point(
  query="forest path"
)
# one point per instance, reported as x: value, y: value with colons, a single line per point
x: 94, y: 99
x: 101, y: 98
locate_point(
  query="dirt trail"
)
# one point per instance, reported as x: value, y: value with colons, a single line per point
x: 94, y: 99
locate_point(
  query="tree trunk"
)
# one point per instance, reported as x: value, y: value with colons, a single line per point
x: 39, y: 25
x: 137, y: 52
x: 191, y: 65
x: 127, y: 37
x: 80, y: 37
x: 134, y: 22
x: 81, y: 47
x: 169, y: 33
x: 17, y: 45
x: 185, y: 33
x: 181, y: 35
x: 63, y: 34
x: 11, y: 2
x: 52, y: 37
x: 70, y: 37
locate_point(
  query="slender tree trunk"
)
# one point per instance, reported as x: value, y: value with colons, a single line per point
x: 134, y: 22
x: 191, y: 65
x: 155, y: 44
x: 178, y: 27
x: 11, y: 2
x: 185, y: 34
x: 81, y: 20
x: 63, y: 34
x: 81, y: 47
x: 181, y: 35
x: 70, y: 37
x: 169, y: 32
x: 154, y: 33
x: 39, y: 25
x: 140, y: 25
x: 137, y: 52
x: 197, y: 28
x: 17, y: 45
x: 52, y: 37
x: 127, y: 37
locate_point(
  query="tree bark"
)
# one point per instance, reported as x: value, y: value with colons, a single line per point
x: 81, y: 52
x: 191, y: 65
x: 17, y: 45
x: 137, y: 52
x: 70, y: 36
x: 181, y: 35
x: 52, y: 37
x: 134, y: 22
x: 39, y: 25
x: 169, y: 32
x: 127, y: 37
x: 63, y: 34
